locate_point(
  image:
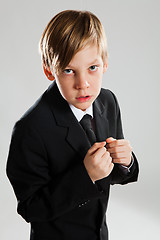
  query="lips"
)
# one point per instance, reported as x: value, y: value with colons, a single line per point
x: 83, y: 98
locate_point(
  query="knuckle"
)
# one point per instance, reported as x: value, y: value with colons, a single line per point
x: 107, y: 154
x: 103, y: 153
x: 109, y: 160
x: 112, y: 165
x: 104, y: 149
x: 94, y: 160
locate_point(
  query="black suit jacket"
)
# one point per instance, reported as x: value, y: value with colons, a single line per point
x: 45, y: 167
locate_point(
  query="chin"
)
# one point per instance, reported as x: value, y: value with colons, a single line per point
x: 84, y: 107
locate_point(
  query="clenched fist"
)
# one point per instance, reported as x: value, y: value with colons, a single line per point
x: 98, y: 161
x: 120, y: 151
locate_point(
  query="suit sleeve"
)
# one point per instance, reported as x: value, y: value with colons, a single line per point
x: 118, y: 176
x: 42, y: 197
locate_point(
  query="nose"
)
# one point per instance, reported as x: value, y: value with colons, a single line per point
x: 81, y: 82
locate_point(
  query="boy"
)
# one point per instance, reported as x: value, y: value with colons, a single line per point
x: 61, y: 179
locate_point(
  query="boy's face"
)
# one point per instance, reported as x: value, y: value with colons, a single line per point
x: 80, y: 82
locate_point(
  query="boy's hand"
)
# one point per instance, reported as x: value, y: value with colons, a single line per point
x: 120, y: 151
x: 98, y: 162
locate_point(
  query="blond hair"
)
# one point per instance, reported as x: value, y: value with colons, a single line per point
x: 67, y: 33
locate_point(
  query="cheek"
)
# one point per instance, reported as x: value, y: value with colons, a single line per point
x: 97, y: 85
x: 97, y: 82
x: 65, y: 90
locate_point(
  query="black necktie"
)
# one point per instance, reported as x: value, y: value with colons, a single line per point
x: 87, y: 126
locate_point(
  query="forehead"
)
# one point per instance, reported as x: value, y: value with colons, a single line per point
x: 86, y: 56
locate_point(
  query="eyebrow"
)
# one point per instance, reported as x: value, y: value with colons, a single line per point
x: 93, y: 62
x: 90, y: 64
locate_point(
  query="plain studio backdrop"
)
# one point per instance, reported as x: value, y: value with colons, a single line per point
x: 133, y: 34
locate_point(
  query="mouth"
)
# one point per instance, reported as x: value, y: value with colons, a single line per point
x: 83, y: 98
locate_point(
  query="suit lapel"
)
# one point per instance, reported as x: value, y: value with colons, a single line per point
x: 101, y: 121
x: 77, y: 139
x: 64, y: 116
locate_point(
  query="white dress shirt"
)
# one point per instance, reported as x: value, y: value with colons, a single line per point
x: 79, y: 113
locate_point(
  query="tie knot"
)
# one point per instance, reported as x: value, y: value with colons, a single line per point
x: 86, y: 122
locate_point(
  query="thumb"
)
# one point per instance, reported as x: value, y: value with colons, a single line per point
x: 96, y: 146
x: 110, y: 139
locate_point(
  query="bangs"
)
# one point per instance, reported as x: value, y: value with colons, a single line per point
x: 67, y: 33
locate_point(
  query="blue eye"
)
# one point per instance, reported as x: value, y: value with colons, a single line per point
x: 93, y: 68
x: 68, y: 71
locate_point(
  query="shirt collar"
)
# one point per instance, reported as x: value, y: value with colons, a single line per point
x: 79, y: 113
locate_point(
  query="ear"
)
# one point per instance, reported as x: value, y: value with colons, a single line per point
x: 48, y: 73
x: 105, y: 66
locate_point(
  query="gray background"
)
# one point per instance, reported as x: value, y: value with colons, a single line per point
x: 133, y: 33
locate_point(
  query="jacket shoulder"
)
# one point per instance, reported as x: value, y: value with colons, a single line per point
x: 107, y: 97
x: 37, y: 115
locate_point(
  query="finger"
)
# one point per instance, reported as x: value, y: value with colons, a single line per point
x: 99, y: 154
x: 110, y: 139
x: 126, y: 149
x: 117, y: 149
x: 120, y: 155
x: 106, y: 163
x: 119, y: 160
x: 106, y: 155
x: 96, y: 146
x: 123, y: 161
x: 120, y: 142
x: 110, y: 167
